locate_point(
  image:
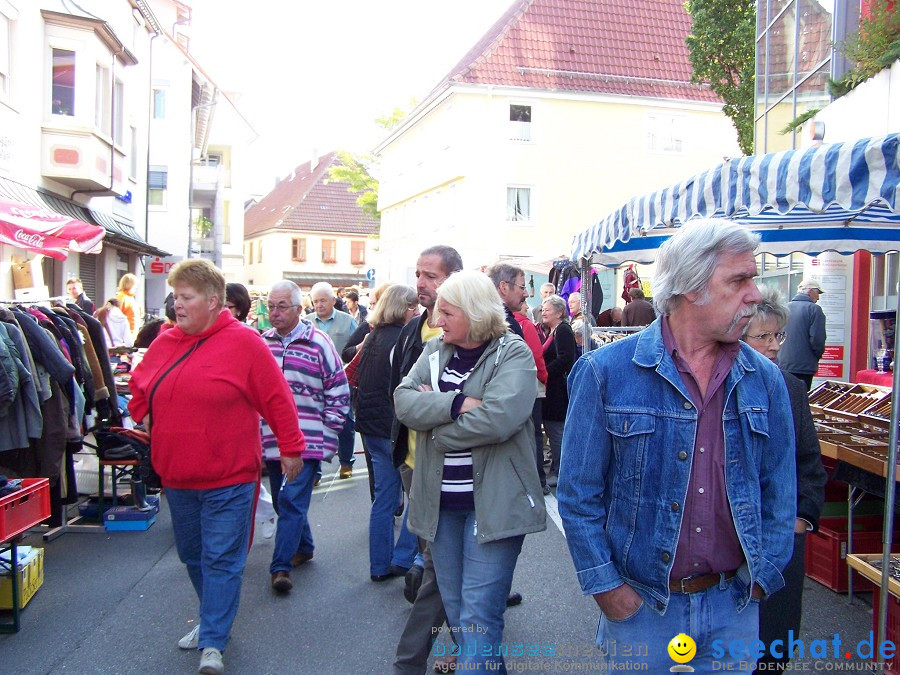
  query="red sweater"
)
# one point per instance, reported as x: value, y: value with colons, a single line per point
x: 205, y: 425
x: 529, y: 332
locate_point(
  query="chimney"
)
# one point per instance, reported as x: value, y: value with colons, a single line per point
x: 314, y: 162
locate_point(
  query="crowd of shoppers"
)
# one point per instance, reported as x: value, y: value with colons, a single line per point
x: 453, y: 405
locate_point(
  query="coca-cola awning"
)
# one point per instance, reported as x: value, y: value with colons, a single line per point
x: 47, y: 232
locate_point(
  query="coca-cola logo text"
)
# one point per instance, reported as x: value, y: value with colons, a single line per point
x: 32, y: 239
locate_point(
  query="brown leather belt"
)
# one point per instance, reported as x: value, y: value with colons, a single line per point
x: 698, y: 583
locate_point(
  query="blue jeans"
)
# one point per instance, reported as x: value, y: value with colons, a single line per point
x: 293, y: 534
x: 346, y: 441
x: 212, y: 534
x: 708, y: 616
x: 382, y: 551
x: 474, y: 580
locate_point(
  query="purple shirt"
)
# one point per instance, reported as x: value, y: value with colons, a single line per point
x: 708, y: 541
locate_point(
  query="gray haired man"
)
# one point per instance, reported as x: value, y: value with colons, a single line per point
x: 677, y: 486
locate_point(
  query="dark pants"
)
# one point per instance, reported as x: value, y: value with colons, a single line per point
x: 536, y: 419
x: 346, y: 440
x: 781, y: 612
x: 427, y: 615
x: 805, y: 378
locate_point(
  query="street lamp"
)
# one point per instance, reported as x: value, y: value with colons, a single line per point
x: 191, y: 172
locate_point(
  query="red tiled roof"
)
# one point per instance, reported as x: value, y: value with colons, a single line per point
x: 625, y: 47
x: 304, y: 201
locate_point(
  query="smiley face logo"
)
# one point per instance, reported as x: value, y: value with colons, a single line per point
x: 682, y: 648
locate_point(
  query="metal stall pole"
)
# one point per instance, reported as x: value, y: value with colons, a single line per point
x: 586, y: 302
x: 889, y: 494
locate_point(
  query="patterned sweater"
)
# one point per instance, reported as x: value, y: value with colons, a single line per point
x: 315, y: 375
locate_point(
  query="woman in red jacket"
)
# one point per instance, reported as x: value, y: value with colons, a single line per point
x: 200, y: 391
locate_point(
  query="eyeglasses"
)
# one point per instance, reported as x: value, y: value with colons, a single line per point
x: 280, y: 307
x: 766, y: 337
x: 521, y: 287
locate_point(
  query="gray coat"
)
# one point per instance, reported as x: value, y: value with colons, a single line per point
x: 805, y: 341
x: 507, y: 492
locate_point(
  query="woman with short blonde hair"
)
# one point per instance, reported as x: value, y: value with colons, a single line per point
x: 474, y: 292
x: 202, y: 276
x: 475, y: 489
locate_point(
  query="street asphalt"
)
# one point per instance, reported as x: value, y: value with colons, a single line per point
x: 117, y: 602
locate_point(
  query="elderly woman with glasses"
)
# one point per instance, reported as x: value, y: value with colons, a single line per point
x: 781, y: 612
x: 475, y: 489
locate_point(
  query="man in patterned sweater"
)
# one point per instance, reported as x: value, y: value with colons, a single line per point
x: 314, y: 372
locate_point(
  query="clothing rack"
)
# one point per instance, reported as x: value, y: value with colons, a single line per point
x: 57, y: 298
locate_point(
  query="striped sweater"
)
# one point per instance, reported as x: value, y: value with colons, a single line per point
x: 315, y: 375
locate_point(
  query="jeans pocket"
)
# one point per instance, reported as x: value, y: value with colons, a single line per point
x: 627, y: 618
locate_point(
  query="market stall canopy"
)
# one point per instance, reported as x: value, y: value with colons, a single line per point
x: 841, y: 197
x: 43, y: 231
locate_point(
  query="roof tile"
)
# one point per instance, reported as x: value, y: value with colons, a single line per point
x: 304, y: 201
x: 627, y: 47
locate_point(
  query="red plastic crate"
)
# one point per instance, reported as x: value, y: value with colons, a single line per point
x: 826, y: 550
x: 24, y: 508
x: 892, y: 631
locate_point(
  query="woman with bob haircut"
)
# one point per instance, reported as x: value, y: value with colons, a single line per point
x: 781, y: 612
x: 200, y: 391
x: 374, y: 417
x: 237, y: 301
x: 475, y: 489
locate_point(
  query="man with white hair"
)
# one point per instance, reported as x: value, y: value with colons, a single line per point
x: 338, y: 326
x: 805, y: 341
x: 312, y: 367
x: 677, y: 486
x: 547, y: 290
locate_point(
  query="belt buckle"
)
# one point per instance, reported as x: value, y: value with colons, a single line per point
x: 681, y: 584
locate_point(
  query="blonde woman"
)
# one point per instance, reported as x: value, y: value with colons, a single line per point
x: 125, y: 295
x: 470, y: 396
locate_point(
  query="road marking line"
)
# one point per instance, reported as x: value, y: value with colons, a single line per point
x: 553, y: 511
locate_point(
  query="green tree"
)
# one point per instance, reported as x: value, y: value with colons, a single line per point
x: 354, y: 170
x: 721, y: 46
x: 358, y: 170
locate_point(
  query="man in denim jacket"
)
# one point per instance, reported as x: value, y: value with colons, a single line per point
x: 677, y: 483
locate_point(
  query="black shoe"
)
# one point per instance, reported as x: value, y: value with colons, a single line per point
x: 514, y: 599
x: 378, y: 578
x: 398, y: 571
x: 412, y: 582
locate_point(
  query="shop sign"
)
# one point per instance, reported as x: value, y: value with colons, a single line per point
x: 833, y: 353
x: 831, y: 371
x: 160, y: 267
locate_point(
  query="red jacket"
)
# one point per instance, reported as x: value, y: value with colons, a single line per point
x: 204, y: 427
x: 529, y: 332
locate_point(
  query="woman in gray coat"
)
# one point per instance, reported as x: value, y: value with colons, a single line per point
x: 475, y: 491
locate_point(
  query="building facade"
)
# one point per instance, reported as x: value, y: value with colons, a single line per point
x: 556, y: 115
x: 797, y: 52
x: 73, y: 118
x: 309, y: 229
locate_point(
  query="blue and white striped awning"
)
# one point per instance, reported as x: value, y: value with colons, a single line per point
x: 841, y: 197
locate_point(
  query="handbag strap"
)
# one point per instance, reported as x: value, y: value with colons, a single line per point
x: 156, y: 384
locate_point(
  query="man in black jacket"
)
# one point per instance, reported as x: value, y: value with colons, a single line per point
x: 433, y: 267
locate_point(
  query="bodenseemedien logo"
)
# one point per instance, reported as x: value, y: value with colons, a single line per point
x: 682, y: 649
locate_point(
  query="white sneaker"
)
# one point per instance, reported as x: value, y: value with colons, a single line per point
x: 267, y: 529
x: 211, y: 662
x: 189, y: 641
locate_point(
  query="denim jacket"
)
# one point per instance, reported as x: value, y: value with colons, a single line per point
x: 626, y: 463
